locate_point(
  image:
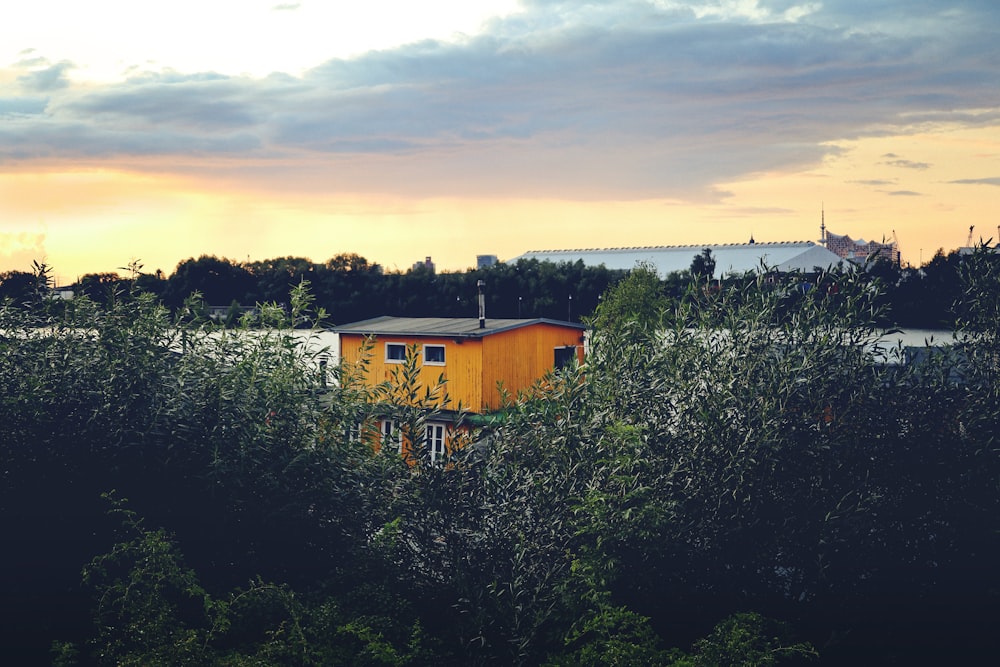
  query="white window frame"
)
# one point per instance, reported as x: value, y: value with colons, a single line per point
x: 393, y: 360
x: 428, y: 362
x: 391, y: 435
x: 435, y: 438
x: 353, y: 433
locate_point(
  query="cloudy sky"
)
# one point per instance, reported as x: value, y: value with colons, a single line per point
x: 164, y: 130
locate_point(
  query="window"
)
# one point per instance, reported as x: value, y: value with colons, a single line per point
x: 395, y: 353
x: 434, y: 354
x: 434, y: 438
x: 391, y: 436
x: 353, y: 432
x: 565, y: 356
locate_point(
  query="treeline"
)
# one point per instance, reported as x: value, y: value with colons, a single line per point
x: 351, y: 288
x: 731, y: 479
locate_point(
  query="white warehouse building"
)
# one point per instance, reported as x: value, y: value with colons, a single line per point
x: 730, y: 258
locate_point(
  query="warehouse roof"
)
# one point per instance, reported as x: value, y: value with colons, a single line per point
x: 729, y: 258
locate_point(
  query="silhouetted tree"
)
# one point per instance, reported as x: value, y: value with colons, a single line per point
x: 703, y: 265
x: 18, y: 286
x: 220, y: 282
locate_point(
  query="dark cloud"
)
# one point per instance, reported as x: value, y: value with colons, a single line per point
x: 21, y: 106
x: 46, y: 80
x: 978, y: 181
x: 24, y: 140
x: 573, y: 99
x: 194, y: 103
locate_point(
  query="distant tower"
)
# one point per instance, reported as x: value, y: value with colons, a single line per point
x: 822, y: 224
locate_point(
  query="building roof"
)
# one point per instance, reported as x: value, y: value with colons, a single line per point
x: 729, y: 257
x: 463, y: 327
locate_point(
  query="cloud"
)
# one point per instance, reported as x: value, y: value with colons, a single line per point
x: 286, y: 6
x: 977, y: 181
x: 875, y: 182
x: 169, y: 101
x: 19, y: 249
x: 622, y: 99
x: 904, y: 193
x: 21, y: 106
x: 50, y: 79
x: 33, y: 62
x: 907, y: 164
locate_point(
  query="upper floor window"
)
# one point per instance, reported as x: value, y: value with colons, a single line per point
x: 434, y: 354
x: 395, y: 353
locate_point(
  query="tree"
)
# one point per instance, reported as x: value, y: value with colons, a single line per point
x: 638, y: 298
x: 703, y: 265
x: 219, y: 281
x: 100, y: 287
x: 18, y: 286
x: 711, y: 456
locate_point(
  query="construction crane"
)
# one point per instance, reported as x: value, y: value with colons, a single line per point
x: 968, y: 242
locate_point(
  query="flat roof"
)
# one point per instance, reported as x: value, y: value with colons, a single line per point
x: 466, y: 327
x: 729, y: 258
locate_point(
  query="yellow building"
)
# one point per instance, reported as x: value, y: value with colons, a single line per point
x: 474, y: 358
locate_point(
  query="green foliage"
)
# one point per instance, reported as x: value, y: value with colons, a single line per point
x: 151, y: 609
x: 746, y: 448
x: 637, y: 298
x: 746, y: 639
x: 612, y: 637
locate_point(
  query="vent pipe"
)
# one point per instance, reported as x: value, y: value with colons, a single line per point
x: 482, y: 304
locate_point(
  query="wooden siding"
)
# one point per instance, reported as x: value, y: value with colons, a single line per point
x: 473, y: 366
x: 461, y: 370
x: 520, y: 356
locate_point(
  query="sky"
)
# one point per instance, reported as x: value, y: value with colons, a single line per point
x: 159, y: 131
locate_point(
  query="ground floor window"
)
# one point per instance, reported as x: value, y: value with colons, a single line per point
x: 353, y: 432
x: 395, y: 353
x: 434, y: 438
x: 391, y: 436
x: 565, y: 356
x: 434, y: 354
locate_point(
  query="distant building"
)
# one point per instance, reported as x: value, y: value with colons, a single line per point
x: 485, y: 261
x: 859, y: 250
x: 730, y: 258
x: 476, y: 357
x: 426, y: 264
x: 60, y: 294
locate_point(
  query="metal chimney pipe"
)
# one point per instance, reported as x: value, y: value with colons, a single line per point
x: 482, y: 304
